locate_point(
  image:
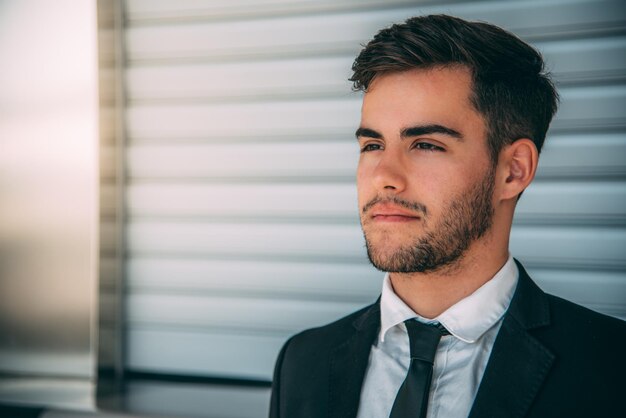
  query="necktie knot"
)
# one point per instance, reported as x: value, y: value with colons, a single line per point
x: 423, y: 339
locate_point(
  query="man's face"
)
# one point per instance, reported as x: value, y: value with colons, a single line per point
x: 425, y: 180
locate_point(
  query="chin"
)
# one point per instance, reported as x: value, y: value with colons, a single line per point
x: 386, y: 257
x: 390, y: 242
x: 416, y: 256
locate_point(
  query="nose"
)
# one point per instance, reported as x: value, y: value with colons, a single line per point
x: 389, y: 174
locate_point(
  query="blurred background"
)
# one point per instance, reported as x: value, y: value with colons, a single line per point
x: 177, y: 189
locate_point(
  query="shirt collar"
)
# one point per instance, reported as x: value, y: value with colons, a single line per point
x: 469, y: 318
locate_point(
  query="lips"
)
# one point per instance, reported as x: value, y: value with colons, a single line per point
x: 392, y: 213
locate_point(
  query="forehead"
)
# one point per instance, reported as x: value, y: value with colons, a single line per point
x: 436, y: 95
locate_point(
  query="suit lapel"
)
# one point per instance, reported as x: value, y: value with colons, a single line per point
x: 519, y: 363
x: 348, y: 363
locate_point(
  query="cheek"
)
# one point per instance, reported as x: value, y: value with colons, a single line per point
x: 429, y: 179
x: 435, y: 185
x: 362, y: 186
x: 365, y: 183
x: 364, y: 171
x: 442, y: 172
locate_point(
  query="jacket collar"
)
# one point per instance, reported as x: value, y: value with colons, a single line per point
x: 529, y: 305
x: 348, y: 363
x: 369, y: 319
x: 519, y: 363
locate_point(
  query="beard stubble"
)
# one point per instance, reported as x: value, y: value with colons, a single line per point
x: 465, y: 219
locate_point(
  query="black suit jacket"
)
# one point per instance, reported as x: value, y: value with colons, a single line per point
x: 551, y: 358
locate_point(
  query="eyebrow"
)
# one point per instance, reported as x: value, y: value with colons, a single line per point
x: 412, y: 131
x: 367, y: 133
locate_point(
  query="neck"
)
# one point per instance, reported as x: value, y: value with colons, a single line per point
x: 430, y: 294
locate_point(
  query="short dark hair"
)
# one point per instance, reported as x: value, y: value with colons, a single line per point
x: 511, y: 87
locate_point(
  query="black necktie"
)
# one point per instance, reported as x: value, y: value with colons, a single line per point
x: 412, y: 398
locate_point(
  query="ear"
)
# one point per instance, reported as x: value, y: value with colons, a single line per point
x: 518, y: 164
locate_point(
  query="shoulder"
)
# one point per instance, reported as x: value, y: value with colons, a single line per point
x: 586, y: 374
x: 560, y: 320
x: 582, y: 319
x: 306, y: 351
x: 329, y: 335
x: 568, y: 330
x: 302, y: 371
x: 578, y: 332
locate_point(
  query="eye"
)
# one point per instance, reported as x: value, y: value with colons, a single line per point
x: 427, y: 146
x: 371, y: 147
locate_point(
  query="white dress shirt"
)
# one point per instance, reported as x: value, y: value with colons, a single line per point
x: 461, y: 357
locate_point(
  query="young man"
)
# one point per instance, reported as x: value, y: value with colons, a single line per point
x: 454, y: 116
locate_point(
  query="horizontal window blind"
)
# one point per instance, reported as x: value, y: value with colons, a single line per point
x: 241, y: 215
